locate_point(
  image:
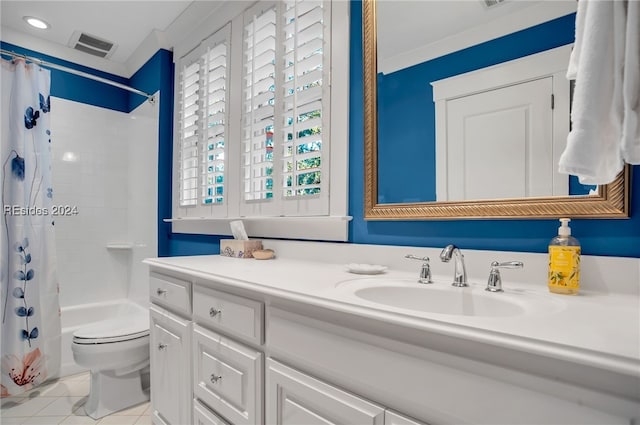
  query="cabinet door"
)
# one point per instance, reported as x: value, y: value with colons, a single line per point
x: 203, y: 416
x: 227, y: 377
x: 293, y: 398
x: 170, y: 371
x: 392, y: 418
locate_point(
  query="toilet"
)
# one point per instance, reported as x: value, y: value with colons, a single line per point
x: 116, y: 351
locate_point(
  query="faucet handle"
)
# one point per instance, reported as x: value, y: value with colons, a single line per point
x: 494, y: 284
x: 413, y: 257
x: 425, y: 270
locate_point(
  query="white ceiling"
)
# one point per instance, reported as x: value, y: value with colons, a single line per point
x: 404, y: 27
x: 412, y: 31
x: 126, y: 23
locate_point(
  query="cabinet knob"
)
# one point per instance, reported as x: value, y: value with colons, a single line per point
x: 162, y: 346
x: 160, y: 291
x: 213, y: 312
x: 215, y: 378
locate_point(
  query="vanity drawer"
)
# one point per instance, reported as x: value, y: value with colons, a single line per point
x: 227, y: 377
x: 228, y: 313
x: 173, y: 293
x: 204, y: 416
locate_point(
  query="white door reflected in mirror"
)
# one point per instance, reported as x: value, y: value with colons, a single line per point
x: 500, y: 130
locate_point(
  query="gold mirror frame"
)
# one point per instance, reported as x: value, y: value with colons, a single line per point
x: 612, y: 200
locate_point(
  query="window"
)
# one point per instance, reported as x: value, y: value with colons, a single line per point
x: 285, y: 66
x: 257, y: 132
x: 202, y: 123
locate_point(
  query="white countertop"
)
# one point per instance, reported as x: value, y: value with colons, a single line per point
x: 596, y: 329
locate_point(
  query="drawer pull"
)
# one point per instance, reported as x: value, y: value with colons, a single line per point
x: 215, y: 378
x: 161, y: 291
x: 213, y: 312
x: 162, y: 346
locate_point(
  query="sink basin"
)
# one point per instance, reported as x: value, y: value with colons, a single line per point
x: 460, y: 303
x: 442, y: 298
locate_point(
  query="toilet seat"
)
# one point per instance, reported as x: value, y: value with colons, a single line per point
x: 112, y: 330
x: 121, y: 338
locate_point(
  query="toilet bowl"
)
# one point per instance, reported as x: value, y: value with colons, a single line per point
x: 116, y: 351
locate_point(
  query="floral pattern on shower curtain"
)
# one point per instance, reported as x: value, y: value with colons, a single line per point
x: 30, y: 351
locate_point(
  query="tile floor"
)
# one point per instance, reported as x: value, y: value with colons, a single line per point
x: 61, y: 402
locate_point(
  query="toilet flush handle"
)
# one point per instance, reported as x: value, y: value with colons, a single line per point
x: 162, y: 346
x: 214, y: 312
x: 161, y: 291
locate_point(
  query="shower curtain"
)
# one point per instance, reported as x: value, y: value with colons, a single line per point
x: 30, y: 331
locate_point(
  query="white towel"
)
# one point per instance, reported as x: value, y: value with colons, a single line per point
x: 596, y: 149
x: 631, y: 86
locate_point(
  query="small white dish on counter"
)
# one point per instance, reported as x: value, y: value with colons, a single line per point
x: 366, y: 268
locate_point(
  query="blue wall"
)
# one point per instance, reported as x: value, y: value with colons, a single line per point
x: 80, y: 89
x: 620, y: 237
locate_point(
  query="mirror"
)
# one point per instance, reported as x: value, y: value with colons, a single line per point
x: 407, y: 176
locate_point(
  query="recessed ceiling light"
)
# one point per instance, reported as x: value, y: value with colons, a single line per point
x: 36, y: 22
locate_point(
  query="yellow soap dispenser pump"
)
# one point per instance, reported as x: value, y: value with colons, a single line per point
x: 564, y: 261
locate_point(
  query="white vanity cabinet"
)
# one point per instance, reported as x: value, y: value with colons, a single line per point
x: 170, y: 346
x: 392, y: 418
x: 258, y: 357
x: 294, y: 398
x: 204, y: 416
x: 430, y: 385
x: 227, y: 369
x: 170, y: 350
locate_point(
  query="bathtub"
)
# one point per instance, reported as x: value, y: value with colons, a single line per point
x: 77, y: 316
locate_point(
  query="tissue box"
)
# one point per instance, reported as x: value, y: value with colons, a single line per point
x: 239, y: 249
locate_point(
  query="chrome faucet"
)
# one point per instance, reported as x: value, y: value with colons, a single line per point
x: 494, y: 284
x: 460, y: 273
x: 425, y: 270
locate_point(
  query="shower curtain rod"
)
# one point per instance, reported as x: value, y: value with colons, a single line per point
x: 149, y: 97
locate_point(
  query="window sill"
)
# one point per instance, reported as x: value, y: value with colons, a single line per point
x: 325, y: 228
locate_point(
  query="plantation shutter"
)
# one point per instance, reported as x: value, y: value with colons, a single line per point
x: 203, y: 125
x: 189, y: 133
x: 259, y: 114
x: 286, y: 114
x: 215, y: 109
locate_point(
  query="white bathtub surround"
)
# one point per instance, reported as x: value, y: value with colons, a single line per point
x: 105, y: 165
x: 142, y: 196
x: 114, y: 344
x: 90, y: 173
x: 563, y: 359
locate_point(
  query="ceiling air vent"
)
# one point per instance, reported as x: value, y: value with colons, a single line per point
x: 92, y: 45
x: 491, y: 3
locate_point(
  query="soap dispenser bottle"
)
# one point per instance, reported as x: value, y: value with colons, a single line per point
x: 564, y: 261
